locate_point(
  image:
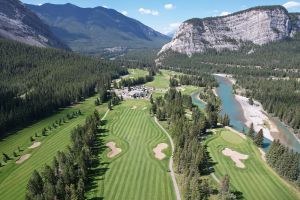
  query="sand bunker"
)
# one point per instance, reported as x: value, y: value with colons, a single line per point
x: 144, y: 108
x: 134, y: 107
x: 34, y: 145
x: 236, y: 157
x: 23, y: 158
x: 158, y: 151
x: 114, y: 150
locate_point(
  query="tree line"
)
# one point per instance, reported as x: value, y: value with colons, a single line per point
x: 285, y: 161
x: 191, y: 157
x: 34, y: 82
x: 67, y: 177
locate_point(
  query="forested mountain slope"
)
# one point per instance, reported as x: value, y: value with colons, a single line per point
x: 36, y: 81
x: 94, y: 30
x: 20, y: 24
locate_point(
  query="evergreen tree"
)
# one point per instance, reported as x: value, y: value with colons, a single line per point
x: 259, y: 138
x: 109, y: 105
x: 251, y: 131
x: 35, y: 186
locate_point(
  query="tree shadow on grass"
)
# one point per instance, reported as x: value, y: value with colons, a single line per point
x: 98, y: 168
x: 238, y: 195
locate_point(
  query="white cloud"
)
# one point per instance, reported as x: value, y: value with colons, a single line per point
x: 124, y: 12
x: 169, y: 6
x: 105, y: 6
x: 171, y: 28
x: 146, y: 11
x: 224, y: 13
x: 291, y: 4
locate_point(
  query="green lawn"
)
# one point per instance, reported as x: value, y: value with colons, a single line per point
x: 136, y: 73
x: 14, y: 177
x: 256, y: 181
x: 161, y: 80
x: 135, y: 173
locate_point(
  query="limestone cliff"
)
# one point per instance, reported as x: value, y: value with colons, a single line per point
x: 259, y: 25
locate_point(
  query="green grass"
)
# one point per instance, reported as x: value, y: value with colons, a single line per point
x: 135, y: 173
x: 161, y: 80
x: 136, y: 73
x: 257, y: 180
x: 13, y: 177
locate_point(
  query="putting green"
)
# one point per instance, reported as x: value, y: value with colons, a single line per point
x: 231, y: 138
x: 135, y: 173
x: 257, y: 180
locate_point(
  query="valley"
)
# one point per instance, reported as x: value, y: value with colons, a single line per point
x: 98, y: 102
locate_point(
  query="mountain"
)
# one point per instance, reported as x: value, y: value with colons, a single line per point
x: 94, y: 30
x: 20, y: 24
x: 258, y: 26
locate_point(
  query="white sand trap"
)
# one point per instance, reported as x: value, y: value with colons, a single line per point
x: 144, y: 108
x: 236, y: 157
x: 114, y: 150
x: 23, y: 158
x: 134, y: 107
x: 34, y: 145
x: 158, y: 151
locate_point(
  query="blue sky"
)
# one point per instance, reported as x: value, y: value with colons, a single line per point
x: 166, y: 15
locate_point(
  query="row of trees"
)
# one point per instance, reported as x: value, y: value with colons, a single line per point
x: 44, y: 132
x: 34, y: 82
x: 67, y: 177
x: 191, y: 156
x: 284, y: 161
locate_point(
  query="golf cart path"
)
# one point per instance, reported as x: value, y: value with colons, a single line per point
x: 178, y: 197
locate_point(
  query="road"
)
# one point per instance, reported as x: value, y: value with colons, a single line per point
x: 178, y: 197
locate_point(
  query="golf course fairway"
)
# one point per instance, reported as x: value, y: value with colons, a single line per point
x: 257, y: 180
x: 134, y: 173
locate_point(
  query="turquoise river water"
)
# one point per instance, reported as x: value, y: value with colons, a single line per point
x: 232, y: 107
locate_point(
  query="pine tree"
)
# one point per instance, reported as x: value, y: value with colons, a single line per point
x: 35, y: 185
x: 251, y: 131
x: 259, y: 138
x: 109, y: 105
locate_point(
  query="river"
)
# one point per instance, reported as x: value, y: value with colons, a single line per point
x: 234, y: 110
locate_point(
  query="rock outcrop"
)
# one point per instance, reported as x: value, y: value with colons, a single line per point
x: 259, y: 25
x: 20, y: 24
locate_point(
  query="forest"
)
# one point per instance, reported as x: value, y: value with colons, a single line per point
x: 284, y: 161
x: 35, y: 82
x: 67, y: 177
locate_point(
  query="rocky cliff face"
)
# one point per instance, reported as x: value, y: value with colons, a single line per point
x: 258, y: 25
x: 19, y: 24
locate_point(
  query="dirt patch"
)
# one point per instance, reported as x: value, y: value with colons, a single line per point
x: 114, y: 150
x: 133, y: 108
x: 23, y: 158
x: 158, y: 151
x: 235, y: 131
x: 236, y: 157
x: 35, y: 145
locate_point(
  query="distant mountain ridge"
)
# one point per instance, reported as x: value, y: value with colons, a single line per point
x: 92, y: 30
x: 258, y: 25
x: 20, y: 24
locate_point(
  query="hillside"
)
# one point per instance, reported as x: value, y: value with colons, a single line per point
x: 96, y: 30
x: 34, y: 82
x: 258, y: 26
x: 20, y: 24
